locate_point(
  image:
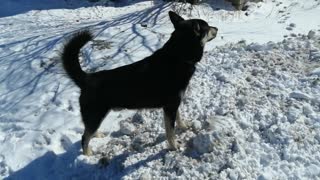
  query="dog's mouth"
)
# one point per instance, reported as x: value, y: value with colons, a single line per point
x: 212, y: 33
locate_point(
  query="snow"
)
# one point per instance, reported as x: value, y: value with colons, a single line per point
x: 252, y: 106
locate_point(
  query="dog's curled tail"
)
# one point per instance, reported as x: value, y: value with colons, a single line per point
x: 70, y: 57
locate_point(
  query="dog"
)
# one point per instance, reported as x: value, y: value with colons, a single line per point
x: 157, y: 81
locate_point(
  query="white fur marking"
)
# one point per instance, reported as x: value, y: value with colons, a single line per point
x: 209, y: 36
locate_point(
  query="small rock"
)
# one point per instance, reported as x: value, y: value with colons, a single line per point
x: 137, y: 118
x: 203, y: 143
x: 241, y: 102
x: 221, y: 110
x: 138, y: 143
x: 292, y: 25
x: 289, y: 28
x: 293, y: 35
x: 127, y: 128
x: 311, y: 34
x: 196, y: 125
x: 242, y: 41
x: 314, y: 55
x: 144, y: 24
x: 222, y: 77
x: 249, y: 79
x: 236, y: 146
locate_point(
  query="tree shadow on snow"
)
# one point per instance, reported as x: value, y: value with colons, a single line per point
x: 15, y: 7
x: 28, y: 73
x: 11, y: 8
x: 220, y: 5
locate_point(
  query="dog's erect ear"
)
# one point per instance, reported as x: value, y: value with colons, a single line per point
x: 196, y: 28
x: 175, y: 18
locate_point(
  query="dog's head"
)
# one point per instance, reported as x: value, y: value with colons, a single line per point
x: 197, y: 28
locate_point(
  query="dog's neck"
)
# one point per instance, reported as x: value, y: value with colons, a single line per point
x: 182, y: 50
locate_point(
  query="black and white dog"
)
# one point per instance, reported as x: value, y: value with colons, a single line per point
x: 157, y: 81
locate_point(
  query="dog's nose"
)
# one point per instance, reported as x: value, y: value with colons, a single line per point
x: 215, y: 28
x: 213, y: 31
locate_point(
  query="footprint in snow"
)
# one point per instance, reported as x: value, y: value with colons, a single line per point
x: 291, y: 26
x: 65, y: 141
x: 4, y: 169
x: 43, y: 140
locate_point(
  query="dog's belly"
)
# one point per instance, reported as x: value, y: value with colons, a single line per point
x: 137, y: 101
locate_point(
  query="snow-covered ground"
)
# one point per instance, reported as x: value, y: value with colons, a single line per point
x: 253, y: 106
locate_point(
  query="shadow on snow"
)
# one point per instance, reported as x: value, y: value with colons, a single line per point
x: 72, y: 165
x: 11, y: 8
x: 15, y: 7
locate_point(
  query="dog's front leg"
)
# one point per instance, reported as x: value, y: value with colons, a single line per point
x: 170, y: 115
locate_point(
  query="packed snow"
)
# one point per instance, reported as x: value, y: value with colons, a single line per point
x: 252, y: 107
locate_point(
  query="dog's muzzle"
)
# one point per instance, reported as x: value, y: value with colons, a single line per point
x: 212, y: 33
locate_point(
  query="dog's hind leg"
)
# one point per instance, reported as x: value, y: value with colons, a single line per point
x: 180, y: 124
x: 87, y: 135
x: 170, y: 115
x: 92, y: 120
x: 99, y: 135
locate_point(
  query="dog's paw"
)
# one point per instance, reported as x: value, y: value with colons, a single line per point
x: 172, y: 147
x: 183, y: 125
x: 87, y: 152
x: 99, y: 135
x: 177, y: 146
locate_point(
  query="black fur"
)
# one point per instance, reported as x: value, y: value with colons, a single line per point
x: 70, y: 57
x: 154, y: 82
